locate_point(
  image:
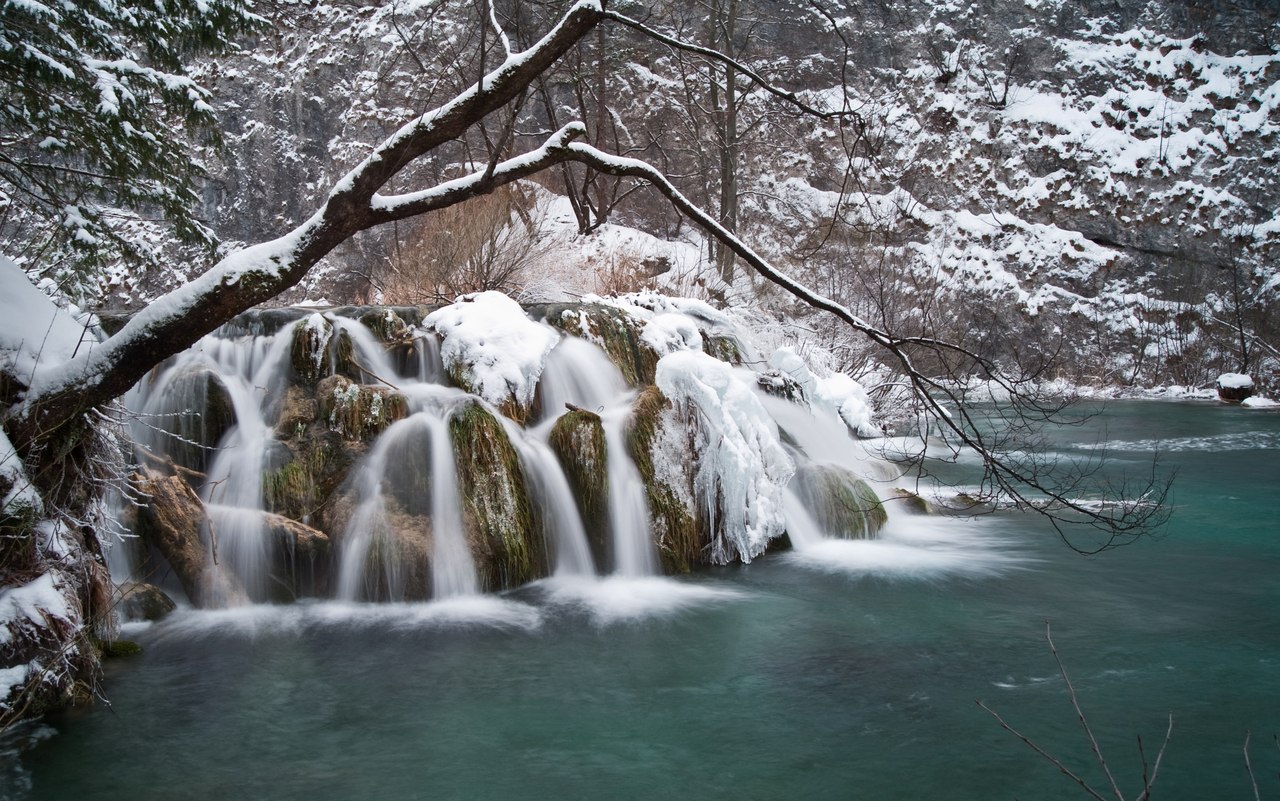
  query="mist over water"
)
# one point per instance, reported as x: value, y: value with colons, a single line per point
x: 840, y: 669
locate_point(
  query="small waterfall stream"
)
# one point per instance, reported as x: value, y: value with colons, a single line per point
x: 633, y: 545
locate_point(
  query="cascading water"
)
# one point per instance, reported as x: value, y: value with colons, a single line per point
x: 325, y: 427
x: 233, y: 490
x: 580, y: 374
x: 554, y: 498
x: 633, y: 546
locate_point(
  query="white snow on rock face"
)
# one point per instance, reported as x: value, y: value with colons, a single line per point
x: 489, y: 334
x: 16, y: 493
x: 24, y: 609
x: 1235, y: 381
x: 838, y: 393
x: 668, y: 333
x: 742, y: 467
x: 34, y: 333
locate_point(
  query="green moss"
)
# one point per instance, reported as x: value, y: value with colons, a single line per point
x: 461, y: 376
x: 725, y: 348
x: 579, y: 444
x: 615, y: 332
x: 344, y: 357
x: 307, y: 354
x: 300, y: 488
x: 359, y: 411
x: 681, y: 543
x: 507, y: 546
x: 913, y: 502
x: 841, y: 503
x: 114, y: 649
x: 386, y: 325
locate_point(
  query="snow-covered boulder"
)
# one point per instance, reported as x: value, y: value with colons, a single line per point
x: 490, y: 347
x: 1234, y: 387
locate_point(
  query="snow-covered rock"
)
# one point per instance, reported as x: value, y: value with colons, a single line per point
x: 742, y: 467
x: 492, y: 347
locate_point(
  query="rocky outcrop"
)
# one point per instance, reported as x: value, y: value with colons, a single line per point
x: 358, y: 411
x: 507, y: 546
x: 617, y: 334
x: 579, y: 444
x: 141, y: 601
x: 841, y: 503
x: 175, y: 522
x: 682, y: 538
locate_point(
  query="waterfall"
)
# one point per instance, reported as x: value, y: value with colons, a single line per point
x: 580, y: 373
x: 356, y: 485
x: 453, y: 572
x: 369, y: 536
x: 803, y: 530
x: 555, y: 501
x: 368, y: 353
x: 633, y: 547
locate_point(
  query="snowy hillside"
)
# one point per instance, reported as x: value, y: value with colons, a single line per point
x: 1056, y: 174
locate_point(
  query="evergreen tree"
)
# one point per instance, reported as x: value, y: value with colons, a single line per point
x: 98, y: 121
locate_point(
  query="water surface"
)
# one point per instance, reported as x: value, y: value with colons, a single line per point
x: 847, y: 672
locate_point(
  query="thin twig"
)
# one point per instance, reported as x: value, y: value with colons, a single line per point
x: 1084, y: 723
x: 1249, y: 767
x: 1147, y: 784
x: 1050, y: 757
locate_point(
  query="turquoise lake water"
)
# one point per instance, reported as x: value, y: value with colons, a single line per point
x: 850, y: 672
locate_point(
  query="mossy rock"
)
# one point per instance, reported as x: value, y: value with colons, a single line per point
x: 297, y: 412
x: 115, y: 649
x: 386, y: 325
x: 301, y: 487
x: 397, y: 564
x: 139, y: 601
x: 206, y: 415
x: 617, y: 334
x: 723, y: 347
x: 308, y: 354
x: 578, y: 441
x: 358, y: 411
x: 913, y: 502
x: 461, y: 376
x: 682, y: 544
x: 842, y: 504
x: 506, y: 544
x: 300, y: 559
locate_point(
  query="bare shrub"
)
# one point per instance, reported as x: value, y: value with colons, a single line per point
x: 486, y: 243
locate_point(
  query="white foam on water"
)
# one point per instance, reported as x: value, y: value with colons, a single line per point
x: 475, y: 611
x: 1237, y: 441
x: 915, y: 547
x: 624, y: 599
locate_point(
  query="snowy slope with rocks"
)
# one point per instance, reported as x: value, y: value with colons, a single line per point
x: 1057, y: 172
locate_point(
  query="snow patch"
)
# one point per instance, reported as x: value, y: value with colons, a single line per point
x: 488, y: 335
x: 1235, y: 381
x: 34, y: 332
